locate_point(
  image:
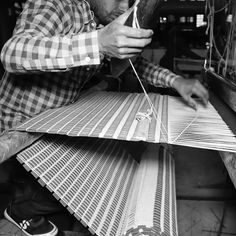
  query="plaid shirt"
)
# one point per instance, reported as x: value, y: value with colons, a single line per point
x: 55, y: 42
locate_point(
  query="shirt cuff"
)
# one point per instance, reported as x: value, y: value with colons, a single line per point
x: 85, y: 49
x: 171, y: 81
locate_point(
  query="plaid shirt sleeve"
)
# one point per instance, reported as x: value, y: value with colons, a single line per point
x: 43, y: 40
x: 154, y: 74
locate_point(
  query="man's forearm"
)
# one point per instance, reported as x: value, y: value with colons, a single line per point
x: 154, y: 74
x: 53, y: 37
x: 39, y: 53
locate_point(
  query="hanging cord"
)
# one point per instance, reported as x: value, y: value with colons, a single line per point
x: 211, y: 16
x: 152, y: 110
x: 181, y: 133
x: 135, y: 23
x: 229, y: 44
x: 223, y: 57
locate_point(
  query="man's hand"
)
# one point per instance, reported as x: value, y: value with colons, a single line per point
x: 120, y: 41
x: 188, y: 87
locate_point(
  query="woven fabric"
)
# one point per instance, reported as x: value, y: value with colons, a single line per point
x: 116, y: 116
x: 104, y: 187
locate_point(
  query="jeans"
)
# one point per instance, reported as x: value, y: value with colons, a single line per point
x: 29, y: 198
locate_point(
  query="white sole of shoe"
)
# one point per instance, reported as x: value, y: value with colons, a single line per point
x: 52, y: 233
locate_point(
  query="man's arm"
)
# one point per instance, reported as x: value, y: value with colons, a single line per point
x: 42, y: 40
x: 154, y: 74
x: 161, y: 77
x: 117, y: 40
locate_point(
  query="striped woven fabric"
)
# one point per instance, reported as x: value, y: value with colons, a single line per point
x: 104, y: 187
x: 116, y: 116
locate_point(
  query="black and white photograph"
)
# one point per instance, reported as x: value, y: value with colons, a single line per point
x: 118, y: 118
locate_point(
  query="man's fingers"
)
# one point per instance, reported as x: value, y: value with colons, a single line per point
x: 133, y: 43
x: 191, y: 102
x: 204, y: 93
x: 200, y: 92
x: 129, y: 50
x: 135, y: 33
x: 126, y: 56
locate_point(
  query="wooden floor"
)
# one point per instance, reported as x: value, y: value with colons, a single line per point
x: 206, y: 218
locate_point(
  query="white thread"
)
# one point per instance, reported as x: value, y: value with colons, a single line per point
x: 144, y: 115
x: 135, y: 23
x: 152, y: 108
x: 178, y: 136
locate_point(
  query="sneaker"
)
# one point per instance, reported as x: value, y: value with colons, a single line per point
x: 38, y: 226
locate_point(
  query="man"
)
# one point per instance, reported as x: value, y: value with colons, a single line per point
x: 55, y: 50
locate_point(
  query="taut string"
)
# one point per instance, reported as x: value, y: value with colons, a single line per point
x: 135, y: 24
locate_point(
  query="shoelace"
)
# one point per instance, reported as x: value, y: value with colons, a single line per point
x: 24, y: 224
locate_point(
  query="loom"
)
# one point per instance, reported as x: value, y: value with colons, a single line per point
x: 104, y: 187
x: 121, y: 118
x: 219, y: 69
x: 98, y: 158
